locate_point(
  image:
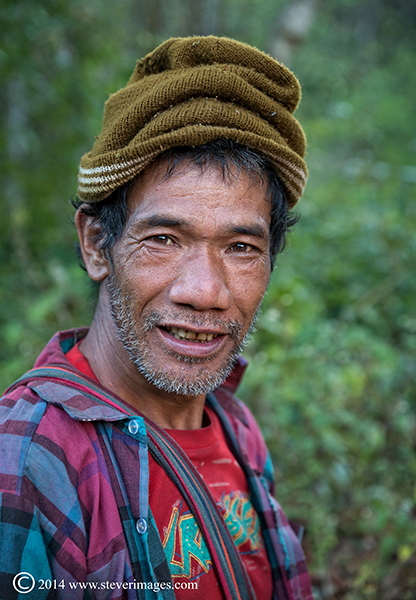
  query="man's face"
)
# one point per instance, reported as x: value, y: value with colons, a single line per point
x: 189, y: 274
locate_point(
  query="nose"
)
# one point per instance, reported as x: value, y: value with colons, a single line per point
x: 201, y: 283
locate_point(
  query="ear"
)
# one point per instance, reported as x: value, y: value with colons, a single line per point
x: 97, y: 265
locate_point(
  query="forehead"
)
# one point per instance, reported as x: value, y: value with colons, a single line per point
x: 190, y: 190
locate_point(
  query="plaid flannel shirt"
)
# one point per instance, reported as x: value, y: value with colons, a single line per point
x: 74, y: 479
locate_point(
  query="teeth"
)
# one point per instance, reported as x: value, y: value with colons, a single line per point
x: 183, y: 334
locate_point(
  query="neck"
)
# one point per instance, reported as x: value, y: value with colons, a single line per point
x: 115, y: 371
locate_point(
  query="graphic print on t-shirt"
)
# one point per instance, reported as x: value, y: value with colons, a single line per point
x: 183, y: 540
x: 242, y: 521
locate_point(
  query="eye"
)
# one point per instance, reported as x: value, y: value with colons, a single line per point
x: 164, y: 240
x: 241, y: 247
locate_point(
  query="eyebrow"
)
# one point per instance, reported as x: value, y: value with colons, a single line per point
x: 252, y: 230
x: 159, y: 220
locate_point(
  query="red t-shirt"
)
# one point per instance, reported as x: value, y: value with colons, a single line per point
x: 185, y: 548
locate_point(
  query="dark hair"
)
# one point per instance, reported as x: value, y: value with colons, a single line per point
x: 230, y: 158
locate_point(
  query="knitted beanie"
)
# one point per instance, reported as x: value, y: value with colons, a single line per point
x: 190, y: 91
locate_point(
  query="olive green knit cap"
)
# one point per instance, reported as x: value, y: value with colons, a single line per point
x: 190, y: 91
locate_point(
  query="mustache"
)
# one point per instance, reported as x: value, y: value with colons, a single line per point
x: 120, y: 302
x: 158, y: 319
x: 230, y: 326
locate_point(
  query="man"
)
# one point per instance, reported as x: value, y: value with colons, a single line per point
x: 128, y: 466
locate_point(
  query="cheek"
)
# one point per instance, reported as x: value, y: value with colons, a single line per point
x: 146, y: 271
x: 144, y: 287
x: 139, y: 273
x: 248, y: 290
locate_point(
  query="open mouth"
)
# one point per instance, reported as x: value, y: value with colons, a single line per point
x: 193, y: 336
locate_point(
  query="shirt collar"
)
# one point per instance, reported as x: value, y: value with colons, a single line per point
x: 84, y: 408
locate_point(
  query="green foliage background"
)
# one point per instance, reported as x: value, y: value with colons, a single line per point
x: 332, y: 378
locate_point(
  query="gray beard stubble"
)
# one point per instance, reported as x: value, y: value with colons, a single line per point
x: 139, y: 353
